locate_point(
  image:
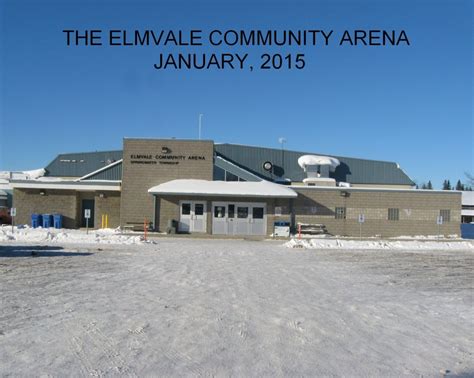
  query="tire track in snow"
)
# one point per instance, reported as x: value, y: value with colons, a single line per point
x: 96, y: 352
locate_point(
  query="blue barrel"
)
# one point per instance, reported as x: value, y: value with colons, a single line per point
x: 47, y: 220
x: 36, y: 220
x: 58, y: 221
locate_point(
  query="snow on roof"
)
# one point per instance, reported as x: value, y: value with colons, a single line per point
x: 306, y: 160
x: 28, y: 175
x: 468, y: 198
x: 223, y: 188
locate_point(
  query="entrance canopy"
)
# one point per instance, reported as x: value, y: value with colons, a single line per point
x: 259, y: 189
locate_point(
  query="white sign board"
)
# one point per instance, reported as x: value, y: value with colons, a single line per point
x: 439, y: 219
x: 361, y: 218
x: 278, y: 211
x: 13, y: 211
x: 87, y: 213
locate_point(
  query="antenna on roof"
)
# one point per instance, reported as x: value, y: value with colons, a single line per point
x: 282, y: 141
x: 200, y: 121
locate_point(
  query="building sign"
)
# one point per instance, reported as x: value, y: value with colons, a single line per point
x: 165, y: 157
x: 361, y: 218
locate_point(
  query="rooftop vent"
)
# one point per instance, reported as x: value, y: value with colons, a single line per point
x: 317, y: 169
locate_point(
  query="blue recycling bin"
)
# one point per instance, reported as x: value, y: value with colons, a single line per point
x: 47, y: 220
x: 36, y: 220
x: 58, y: 221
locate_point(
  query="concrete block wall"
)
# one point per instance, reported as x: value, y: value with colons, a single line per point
x: 140, y: 174
x: 108, y: 204
x: 418, y: 211
x: 30, y: 201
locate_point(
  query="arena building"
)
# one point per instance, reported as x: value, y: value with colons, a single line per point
x: 198, y: 186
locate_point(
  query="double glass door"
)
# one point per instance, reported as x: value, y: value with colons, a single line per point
x: 192, y: 216
x: 239, y: 218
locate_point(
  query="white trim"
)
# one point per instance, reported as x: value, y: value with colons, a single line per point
x: 99, y: 170
x: 65, y: 185
x: 194, y: 187
x: 352, y: 189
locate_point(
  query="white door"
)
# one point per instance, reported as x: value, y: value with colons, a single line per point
x: 219, y: 218
x: 258, y: 223
x: 242, y: 219
x: 192, y: 216
x: 185, y: 216
x: 198, y: 223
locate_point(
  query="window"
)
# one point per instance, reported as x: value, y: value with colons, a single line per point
x: 219, y: 174
x: 257, y: 213
x: 230, y: 177
x: 231, y: 211
x: 198, y: 209
x: 340, y: 213
x: 393, y: 214
x: 186, y: 209
x: 446, y: 214
x: 219, y: 211
x: 242, y: 212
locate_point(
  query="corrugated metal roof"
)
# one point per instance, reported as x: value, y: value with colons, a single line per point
x: 111, y: 172
x: 285, y: 165
x: 248, y: 158
x: 82, y: 163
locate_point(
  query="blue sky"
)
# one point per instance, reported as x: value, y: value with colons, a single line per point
x: 412, y: 105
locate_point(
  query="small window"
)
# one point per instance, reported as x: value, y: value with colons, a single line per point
x: 446, y: 214
x: 219, y: 211
x: 242, y: 212
x: 186, y: 209
x: 198, y: 209
x: 231, y: 211
x: 393, y: 214
x: 230, y: 177
x: 340, y: 213
x: 257, y: 213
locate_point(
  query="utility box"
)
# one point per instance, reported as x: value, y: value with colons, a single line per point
x: 281, y: 229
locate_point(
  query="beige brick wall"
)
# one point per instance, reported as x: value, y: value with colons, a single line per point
x: 109, y: 204
x: 136, y: 203
x: 417, y: 211
x: 29, y: 201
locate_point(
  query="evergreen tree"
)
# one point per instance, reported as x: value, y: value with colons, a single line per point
x: 423, y: 186
x: 446, y: 185
x: 430, y: 185
x: 459, y: 185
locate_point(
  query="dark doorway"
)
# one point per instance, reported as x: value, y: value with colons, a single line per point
x: 87, y: 204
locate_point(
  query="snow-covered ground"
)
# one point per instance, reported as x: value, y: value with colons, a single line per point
x: 190, y: 307
x: 44, y: 235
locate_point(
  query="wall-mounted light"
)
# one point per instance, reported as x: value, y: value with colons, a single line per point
x: 101, y: 195
x: 42, y: 192
x: 267, y: 166
x: 344, y: 194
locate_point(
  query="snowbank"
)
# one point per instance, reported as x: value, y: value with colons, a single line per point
x: 414, y: 245
x: 35, y: 235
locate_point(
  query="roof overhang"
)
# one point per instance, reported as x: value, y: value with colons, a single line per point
x: 260, y: 189
x: 67, y: 185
